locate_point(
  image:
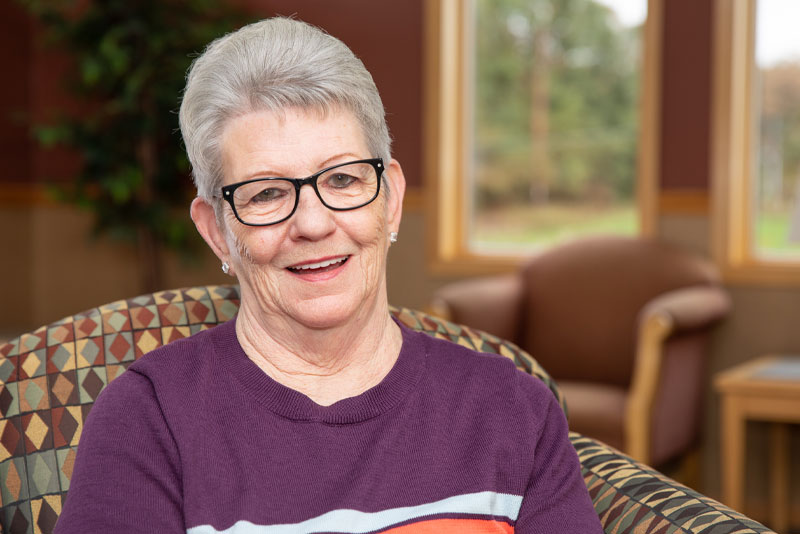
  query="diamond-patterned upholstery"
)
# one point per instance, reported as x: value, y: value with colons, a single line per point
x: 49, y: 379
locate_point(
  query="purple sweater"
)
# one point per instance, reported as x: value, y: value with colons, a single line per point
x: 195, y: 438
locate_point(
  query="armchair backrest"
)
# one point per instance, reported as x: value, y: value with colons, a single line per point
x: 50, y: 378
x: 598, y: 285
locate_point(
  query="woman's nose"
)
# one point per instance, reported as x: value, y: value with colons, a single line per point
x: 312, y: 220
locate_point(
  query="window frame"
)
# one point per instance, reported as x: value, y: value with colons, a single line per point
x: 446, y: 138
x: 733, y: 138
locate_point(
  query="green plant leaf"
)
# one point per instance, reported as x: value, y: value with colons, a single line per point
x: 129, y: 61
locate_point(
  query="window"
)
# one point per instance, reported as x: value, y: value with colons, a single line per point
x: 756, y: 215
x: 541, y: 123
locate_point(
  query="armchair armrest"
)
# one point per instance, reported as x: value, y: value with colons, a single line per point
x: 630, y: 497
x: 689, y: 308
x: 671, y: 313
x: 491, y: 304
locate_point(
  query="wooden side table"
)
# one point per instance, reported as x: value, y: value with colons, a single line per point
x: 764, y: 389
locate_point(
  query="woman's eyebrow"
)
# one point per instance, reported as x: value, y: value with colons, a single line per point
x: 331, y: 160
x: 324, y: 164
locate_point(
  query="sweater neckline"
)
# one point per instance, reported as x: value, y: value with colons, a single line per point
x: 293, y: 405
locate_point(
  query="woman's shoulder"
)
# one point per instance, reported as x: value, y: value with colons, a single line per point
x: 168, y: 375
x: 181, y: 359
x: 460, y: 356
x: 451, y: 363
x: 188, y: 347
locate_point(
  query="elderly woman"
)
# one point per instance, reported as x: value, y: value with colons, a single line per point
x: 313, y: 411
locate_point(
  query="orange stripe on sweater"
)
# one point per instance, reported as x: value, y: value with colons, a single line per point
x: 454, y: 526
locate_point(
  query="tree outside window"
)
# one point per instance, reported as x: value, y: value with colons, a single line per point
x: 555, y: 122
x: 776, y: 114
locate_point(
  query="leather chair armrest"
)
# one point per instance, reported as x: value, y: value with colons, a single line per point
x: 491, y: 304
x: 666, y: 315
x: 688, y: 308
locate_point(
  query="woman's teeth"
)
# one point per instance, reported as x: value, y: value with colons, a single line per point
x: 319, y: 265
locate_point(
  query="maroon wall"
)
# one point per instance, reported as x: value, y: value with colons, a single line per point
x: 686, y: 94
x: 15, y: 93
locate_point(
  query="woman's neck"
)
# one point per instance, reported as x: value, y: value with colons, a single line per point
x: 326, y: 365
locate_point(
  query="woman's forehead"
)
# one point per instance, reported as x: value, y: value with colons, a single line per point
x: 294, y: 142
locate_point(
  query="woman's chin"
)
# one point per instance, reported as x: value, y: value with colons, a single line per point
x: 325, y: 312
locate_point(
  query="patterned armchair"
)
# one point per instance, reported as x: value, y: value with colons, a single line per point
x: 51, y: 377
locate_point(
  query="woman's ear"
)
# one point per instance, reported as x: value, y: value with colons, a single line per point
x: 394, y: 200
x: 205, y: 219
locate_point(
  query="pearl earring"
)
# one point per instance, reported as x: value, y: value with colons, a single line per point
x: 225, y: 267
x: 393, y: 237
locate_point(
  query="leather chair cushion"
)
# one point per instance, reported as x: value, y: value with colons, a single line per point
x: 596, y: 410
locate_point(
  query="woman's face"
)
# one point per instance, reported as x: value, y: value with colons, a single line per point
x: 320, y: 267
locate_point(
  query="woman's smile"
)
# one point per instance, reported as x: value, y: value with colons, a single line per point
x: 313, y: 270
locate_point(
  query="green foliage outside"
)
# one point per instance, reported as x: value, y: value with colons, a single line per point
x: 129, y: 60
x: 778, y: 157
x: 556, y: 106
x: 773, y: 238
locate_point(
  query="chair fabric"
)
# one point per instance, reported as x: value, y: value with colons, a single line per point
x: 632, y: 498
x: 50, y: 378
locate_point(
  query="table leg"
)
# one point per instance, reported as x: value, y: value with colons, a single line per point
x: 732, y: 437
x: 779, y: 481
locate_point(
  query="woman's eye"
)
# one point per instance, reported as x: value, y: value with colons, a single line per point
x: 268, y: 195
x: 341, y: 180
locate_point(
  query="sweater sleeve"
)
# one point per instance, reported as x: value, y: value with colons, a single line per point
x: 127, y: 475
x: 556, y: 499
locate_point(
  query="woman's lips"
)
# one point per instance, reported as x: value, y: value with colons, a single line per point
x: 321, y: 266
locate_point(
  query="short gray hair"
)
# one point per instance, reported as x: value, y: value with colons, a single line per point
x: 272, y: 65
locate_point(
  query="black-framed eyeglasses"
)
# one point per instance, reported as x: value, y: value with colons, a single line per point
x: 342, y: 187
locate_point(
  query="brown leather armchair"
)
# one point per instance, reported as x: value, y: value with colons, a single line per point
x: 620, y: 323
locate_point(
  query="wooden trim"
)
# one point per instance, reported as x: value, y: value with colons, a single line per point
x: 684, y: 202
x: 649, y: 157
x: 466, y: 264
x: 649, y: 354
x: 724, y: 116
x: 761, y: 273
x: 447, y: 116
x: 431, y: 58
x: 21, y: 195
x: 720, y: 119
x: 445, y: 125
